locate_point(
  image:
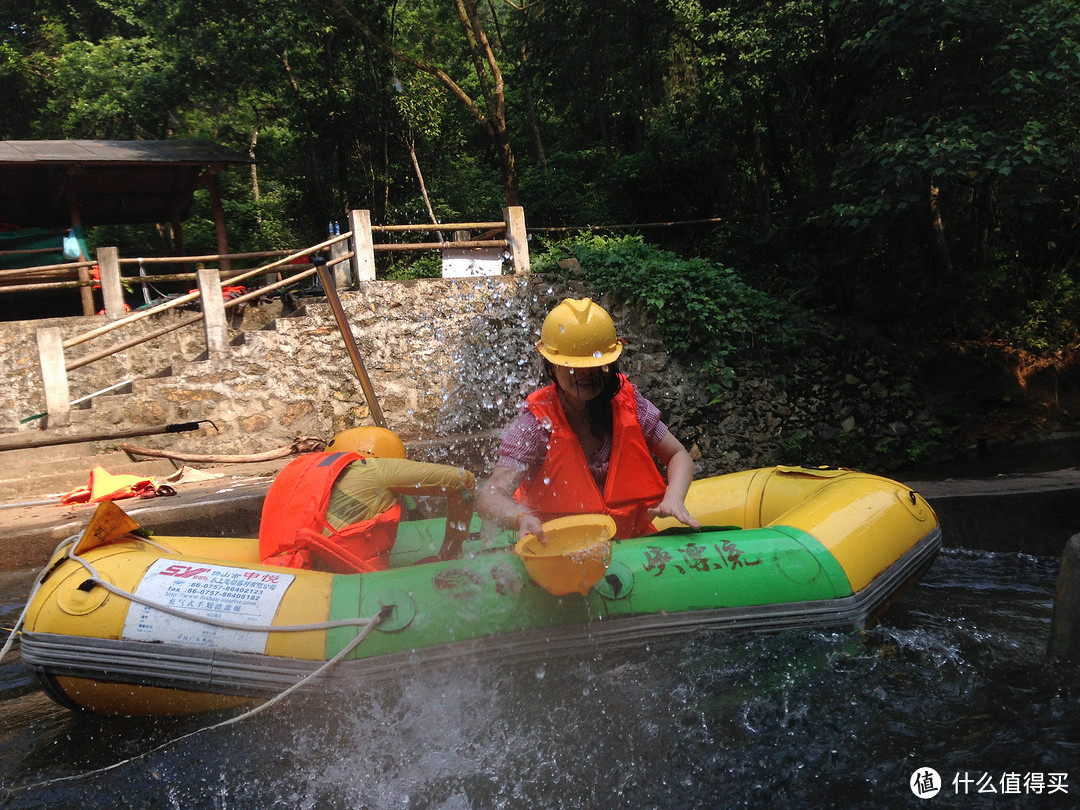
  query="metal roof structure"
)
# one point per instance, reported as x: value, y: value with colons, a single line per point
x: 85, y: 182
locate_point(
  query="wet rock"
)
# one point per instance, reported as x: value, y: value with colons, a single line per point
x: 1065, y: 626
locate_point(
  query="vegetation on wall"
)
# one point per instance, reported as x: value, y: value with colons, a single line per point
x: 842, y: 397
x: 703, y: 309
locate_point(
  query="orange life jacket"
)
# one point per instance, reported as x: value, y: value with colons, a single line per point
x: 104, y: 486
x: 294, y: 533
x: 564, y: 485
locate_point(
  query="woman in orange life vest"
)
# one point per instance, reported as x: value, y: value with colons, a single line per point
x: 339, y: 510
x: 585, y: 443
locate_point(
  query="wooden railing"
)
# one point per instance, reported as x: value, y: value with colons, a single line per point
x: 352, y: 261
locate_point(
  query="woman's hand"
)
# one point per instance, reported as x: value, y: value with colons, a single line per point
x: 680, y: 474
x: 672, y: 506
x: 530, y: 524
x: 496, y: 503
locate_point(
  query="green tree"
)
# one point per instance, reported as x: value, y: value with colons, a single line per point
x: 963, y: 136
x: 485, y: 101
x: 30, y: 39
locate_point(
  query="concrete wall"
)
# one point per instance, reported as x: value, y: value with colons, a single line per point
x: 449, y: 360
x: 23, y: 394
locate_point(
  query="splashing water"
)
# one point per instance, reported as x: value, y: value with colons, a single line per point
x: 494, y: 369
x: 952, y: 679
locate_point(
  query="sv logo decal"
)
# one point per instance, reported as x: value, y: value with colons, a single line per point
x: 183, y: 571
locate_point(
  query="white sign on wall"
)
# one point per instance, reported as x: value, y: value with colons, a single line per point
x: 234, y: 595
x: 467, y: 263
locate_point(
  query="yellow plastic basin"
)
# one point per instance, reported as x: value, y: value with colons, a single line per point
x: 577, y: 553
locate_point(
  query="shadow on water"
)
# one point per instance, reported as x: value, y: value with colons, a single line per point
x: 953, y: 679
x: 1059, y: 453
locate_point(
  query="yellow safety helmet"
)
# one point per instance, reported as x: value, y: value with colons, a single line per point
x: 579, y: 333
x: 376, y: 442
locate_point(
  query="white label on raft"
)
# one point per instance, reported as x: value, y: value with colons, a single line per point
x: 216, y: 592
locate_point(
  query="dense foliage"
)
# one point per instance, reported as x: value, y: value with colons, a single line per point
x: 703, y: 309
x: 905, y: 161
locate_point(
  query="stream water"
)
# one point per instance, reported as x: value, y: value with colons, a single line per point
x: 953, y: 679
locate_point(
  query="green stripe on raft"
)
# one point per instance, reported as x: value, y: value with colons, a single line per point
x: 489, y: 592
x: 344, y: 604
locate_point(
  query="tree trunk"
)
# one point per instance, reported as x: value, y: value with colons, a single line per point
x: 530, y: 106
x: 939, y: 246
x: 254, y: 168
x: 493, y: 118
x: 313, y: 155
x: 492, y: 87
x: 411, y: 143
x: 761, y: 172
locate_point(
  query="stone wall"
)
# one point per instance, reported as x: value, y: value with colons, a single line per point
x: 446, y: 358
x: 449, y: 360
x: 23, y: 394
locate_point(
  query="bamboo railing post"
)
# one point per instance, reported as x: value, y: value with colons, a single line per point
x: 518, y: 238
x: 112, y: 289
x: 342, y: 320
x: 362, y: 245
x: 54, y: 376
x: 213, y: 307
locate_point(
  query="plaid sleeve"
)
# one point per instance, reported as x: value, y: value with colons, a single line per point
x: 649, y: 418
x: 524, y: 444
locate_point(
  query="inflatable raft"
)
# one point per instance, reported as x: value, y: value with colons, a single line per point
x: 123, y: 624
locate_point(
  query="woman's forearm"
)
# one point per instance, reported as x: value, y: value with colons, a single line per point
x: 496, y: 503
x: 680, y: 474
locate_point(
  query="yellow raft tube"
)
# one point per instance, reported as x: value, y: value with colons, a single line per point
x: 122, y: 624
x: 867, y: 522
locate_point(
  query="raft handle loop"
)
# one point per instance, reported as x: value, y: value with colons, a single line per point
x: 45, y: 573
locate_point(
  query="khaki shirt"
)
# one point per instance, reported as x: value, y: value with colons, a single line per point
x: 370, y: 486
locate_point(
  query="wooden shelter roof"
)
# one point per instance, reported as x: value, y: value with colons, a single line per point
x: 60, y: 183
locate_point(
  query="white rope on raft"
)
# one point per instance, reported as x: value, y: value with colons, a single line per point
x: 253, y: 628
x: 366, y: 625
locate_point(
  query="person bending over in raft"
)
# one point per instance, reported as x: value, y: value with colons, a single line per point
x: 584, y: 443
x: 339, y: 510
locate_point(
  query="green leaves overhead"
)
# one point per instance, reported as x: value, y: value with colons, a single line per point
x: 117, y: 88
x: 885, y: 154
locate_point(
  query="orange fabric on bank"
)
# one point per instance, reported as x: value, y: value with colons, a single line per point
x: 104, y: 486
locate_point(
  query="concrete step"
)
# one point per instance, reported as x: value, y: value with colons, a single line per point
x: 247, y: 336
x: 185, y: 391
x: 54, y: 472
